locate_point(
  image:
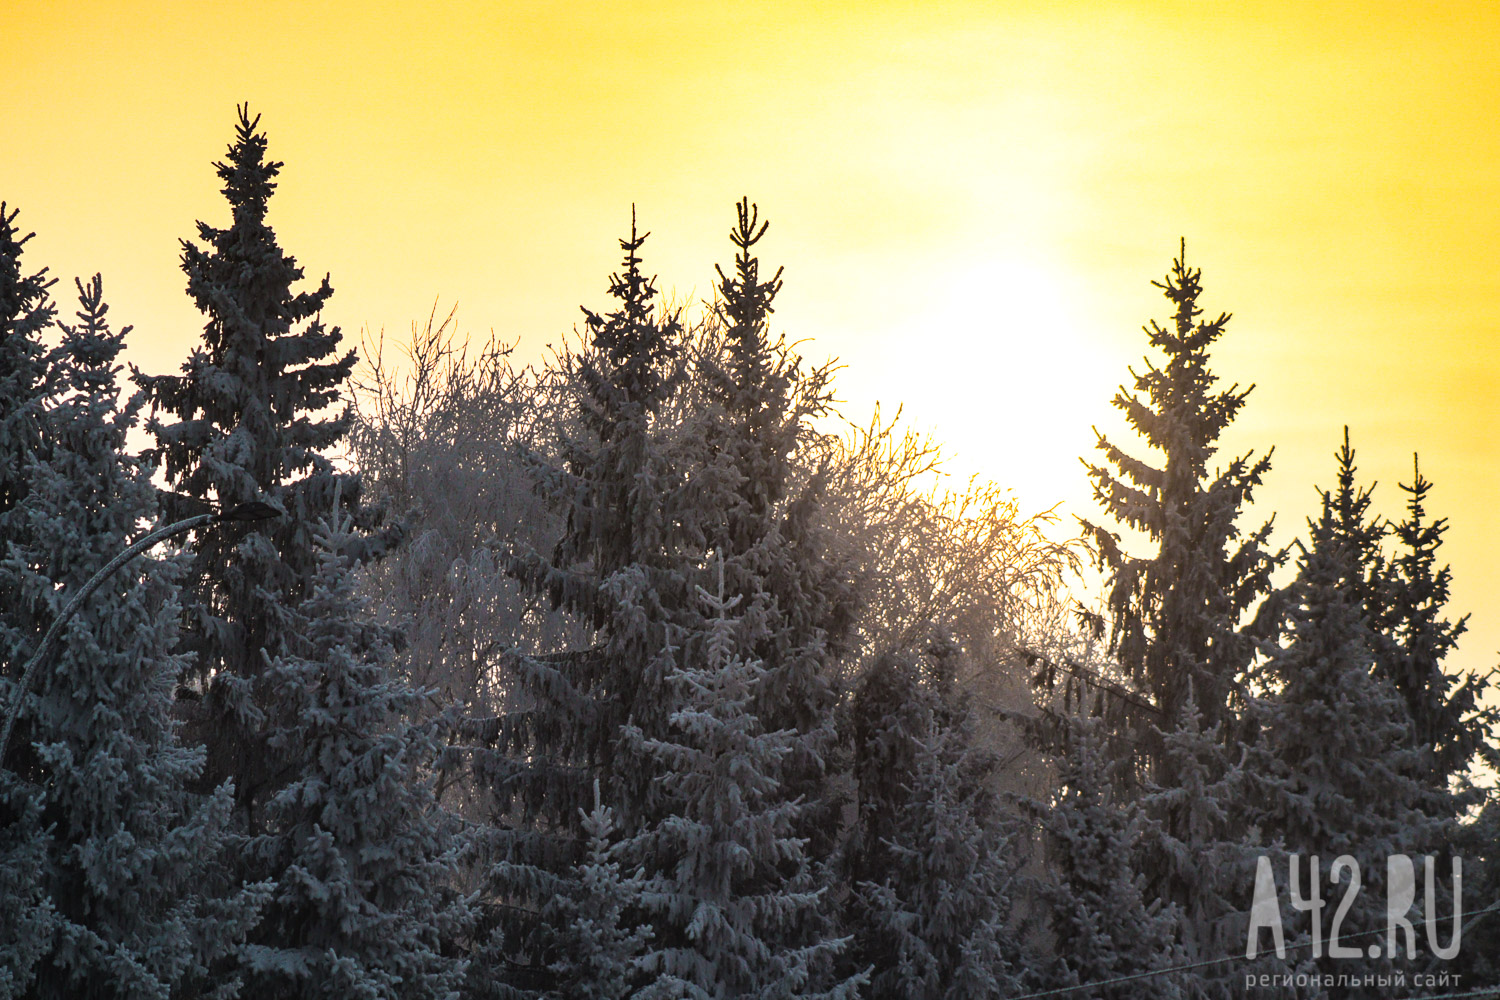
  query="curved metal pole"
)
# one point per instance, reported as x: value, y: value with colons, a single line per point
x: 69, y: 609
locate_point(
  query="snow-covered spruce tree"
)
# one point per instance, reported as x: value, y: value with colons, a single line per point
x: 363, y: 855
x: 1337, y: 774
x: 1450, y: 726
x: 754, y: 509
x: 136, y: 864
x: 756, y: 497
x: 1195, y: 852
x: 1094, y: 900
x: 1403, y: 599
x: 620, y: 572
x: 600, y: 955
x: 1176, y: 613
x: 757, y: 522
x: 267, y: 611
x: 243, y: 423
x: 25, y: 382
x: 737, y: 890
x: 652, y: 478
x: 929, y: 860
x: 1478, y: 843
x: 1450, y: 723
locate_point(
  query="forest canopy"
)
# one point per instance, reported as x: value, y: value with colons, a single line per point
x: 645, y: 672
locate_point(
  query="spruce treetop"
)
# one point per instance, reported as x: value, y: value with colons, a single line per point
x: 1445, y: 710
x: 1421, y: 601
x: 757, y: 405
x: 757, y: 383
x: 247, y: 401
x: 25, y: 302
x: 625, y: 374
x: 1176, y: 614
x: 1346, y: 508
x: 88, y: 429
x: 1344, y: 522
x: 26, y: 309
x: 245, y: 422
x: 637, y: 345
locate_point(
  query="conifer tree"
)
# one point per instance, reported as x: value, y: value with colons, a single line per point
x: 928, y: 859
x: 656, y: 483
x: 1450, y: 723
x: 765, y: 522
x: 1095, y: 898
x: 26, y: 917
x: 942, y: 912
x: 733, y: 904
x: 601, y: 955
x: 1478, y: 843
x: 364, y: 855
x: 1338, y: 773
x: 616, y: 567
x: 244, y: 423
x: 620, y: 572
x: 1195, y: 853
x: 1176, y: 614
x: 135, y: 864
x: 758, y: 524
x: 333, y: 803
x: 26, y: 310
x: 1402, y: 600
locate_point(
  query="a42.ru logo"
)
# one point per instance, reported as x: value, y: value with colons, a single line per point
x: 1401, y: 894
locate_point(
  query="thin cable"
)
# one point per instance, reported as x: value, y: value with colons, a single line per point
x: 75, y: 600
x: 1187, y: 967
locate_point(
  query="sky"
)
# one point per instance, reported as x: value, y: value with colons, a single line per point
x: 970, y: 200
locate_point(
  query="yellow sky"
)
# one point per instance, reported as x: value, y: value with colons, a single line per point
x: 970, y: 199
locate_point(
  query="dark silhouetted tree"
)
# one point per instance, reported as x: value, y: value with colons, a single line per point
x: 1093, y: 893
x: 244, y: 422
x: 620, y: 572
x: 330, y: 797
x: 1176, y: 614
x: 1336, y: 771
x: 1450, y: 722
x: 929, y: 860
x: 766, y: 522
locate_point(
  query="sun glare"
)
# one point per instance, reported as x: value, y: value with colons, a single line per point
x: 1007, y: 366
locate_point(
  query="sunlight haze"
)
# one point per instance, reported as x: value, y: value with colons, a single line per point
x: 970, y: 200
